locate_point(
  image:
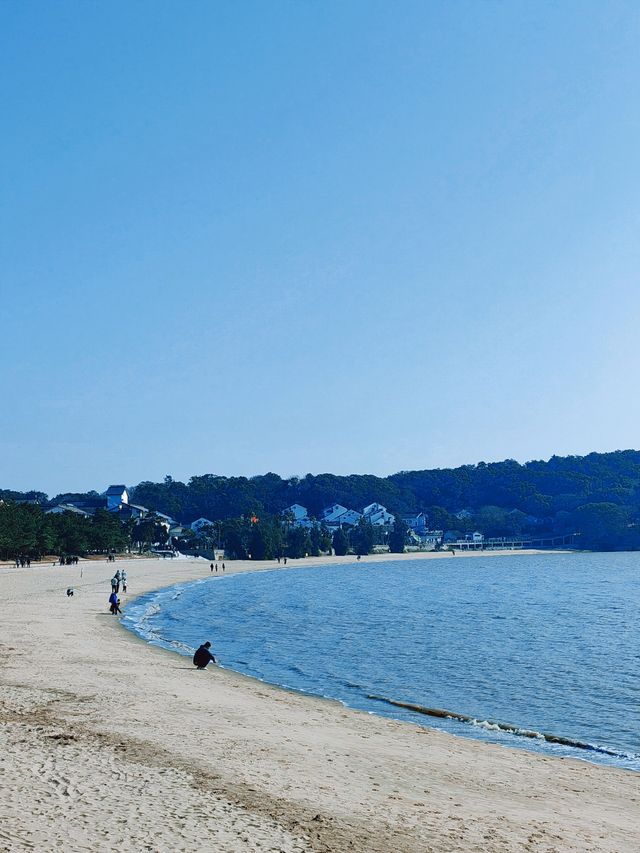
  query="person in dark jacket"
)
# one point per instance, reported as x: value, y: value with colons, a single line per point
x: 203, y: 656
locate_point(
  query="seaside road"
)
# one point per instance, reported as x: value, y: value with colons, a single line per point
x: 107, y: 743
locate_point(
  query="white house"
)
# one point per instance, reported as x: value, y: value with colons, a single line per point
x: 336, y: 515
x: 428, y: 541
x: 138, y: 511
x: 60, y: 508
x: 349, y: 517
x: 416, y: 522
x: 377, y: 515
x: 475, y: 537
x: 199, y: 523
x: 333, y: 512
x: 299, y: 515
x: 432, y: 537
x: 165, y: 520
x: 298, y: 511
x: 116, y: 496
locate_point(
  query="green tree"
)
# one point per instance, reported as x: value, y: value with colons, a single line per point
x: 235, y: 538
x: 298, y: 542
x: 149, y: 531
x: 71, y: 533
x: 398, y: 536
x: 362, y: 537
x: 260, y: 543
x: 107, y: 532
x: 604, y: 526
x: 440, y: 519
x: 320, y: 540
x: 340, y: 542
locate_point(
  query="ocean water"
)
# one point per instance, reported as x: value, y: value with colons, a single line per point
x: 547, y: 644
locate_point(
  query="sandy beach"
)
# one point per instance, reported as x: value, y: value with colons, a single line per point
x: 111, y: 744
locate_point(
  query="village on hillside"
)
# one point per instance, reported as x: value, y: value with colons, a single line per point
x: 204, y: 534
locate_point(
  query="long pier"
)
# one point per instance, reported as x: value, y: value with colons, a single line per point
x: 570, y: 540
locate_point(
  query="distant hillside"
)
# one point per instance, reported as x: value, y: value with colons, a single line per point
x: 598, y: 494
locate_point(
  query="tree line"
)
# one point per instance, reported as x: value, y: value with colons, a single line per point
x: 597, y: 496
x: 25, y: 529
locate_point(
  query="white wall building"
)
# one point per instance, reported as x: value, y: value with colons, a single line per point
x: 336, y: 515
x: 116, y: 496
x: 333, y: 512
x: 377, y: 515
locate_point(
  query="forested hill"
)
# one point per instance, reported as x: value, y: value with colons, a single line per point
x: 598, y: 493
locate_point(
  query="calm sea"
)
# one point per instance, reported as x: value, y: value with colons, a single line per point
x: 547, y: 644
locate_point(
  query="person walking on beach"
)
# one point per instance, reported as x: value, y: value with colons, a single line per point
x: 211, y: 567
x: 115, y: 584
x: 203, y: 657
x: 123, y: 580
x: 114, y: 604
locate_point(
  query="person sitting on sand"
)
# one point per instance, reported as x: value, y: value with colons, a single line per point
x: 203, y: 656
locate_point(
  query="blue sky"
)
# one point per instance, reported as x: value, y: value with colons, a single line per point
x: 315, y: 236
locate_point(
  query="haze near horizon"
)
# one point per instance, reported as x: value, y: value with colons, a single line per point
x: 297, y: 237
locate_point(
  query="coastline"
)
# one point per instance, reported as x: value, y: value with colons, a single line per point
x: 108, y: 741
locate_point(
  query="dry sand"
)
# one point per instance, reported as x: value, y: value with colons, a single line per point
x: 110, y: 744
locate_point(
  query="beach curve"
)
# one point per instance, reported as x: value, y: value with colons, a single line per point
x: 109, y: 740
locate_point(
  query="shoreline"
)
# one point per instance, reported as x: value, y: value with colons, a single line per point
x: 111, y: 742
x: 429, y: 713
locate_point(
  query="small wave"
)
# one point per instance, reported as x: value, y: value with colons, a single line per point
x: 298, y: 670
x: 505, y: 727
x: 176, y: 645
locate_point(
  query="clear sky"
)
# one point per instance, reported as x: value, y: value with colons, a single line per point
x: 315, y: 236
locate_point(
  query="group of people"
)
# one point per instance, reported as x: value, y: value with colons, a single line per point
x: 120, y: 578
x: 216, y: 567
x: 21, y: 562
